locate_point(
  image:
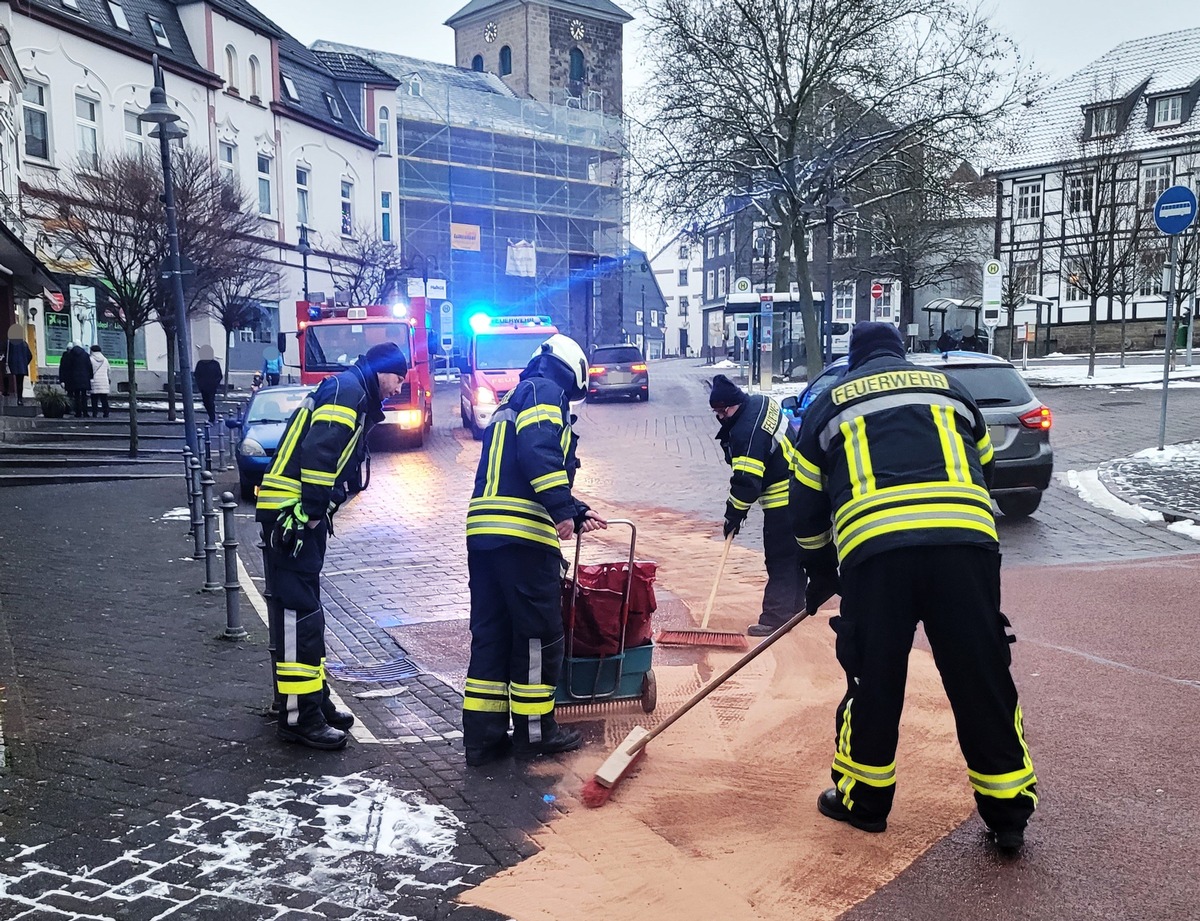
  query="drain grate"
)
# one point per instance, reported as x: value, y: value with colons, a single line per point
x: 392, y: 670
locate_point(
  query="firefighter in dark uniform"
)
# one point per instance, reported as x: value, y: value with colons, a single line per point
x: 891, y: 480
x: 314, y: 469
x: 757, y: 442
x: 520, y: 509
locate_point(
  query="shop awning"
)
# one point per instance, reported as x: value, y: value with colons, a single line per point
x: 29, y: 276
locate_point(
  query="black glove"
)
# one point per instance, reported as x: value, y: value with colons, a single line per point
x: 823, y: 584
x: 287, y: 537
x: 734, y: 519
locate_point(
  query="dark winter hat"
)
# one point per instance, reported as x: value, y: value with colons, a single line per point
x: 386, y: 358
x: 96, y: 348
x: 873, y: 339
x: 725, y: 393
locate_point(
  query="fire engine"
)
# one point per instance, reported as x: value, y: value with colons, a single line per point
x: 332, y: 337
x: 500, y: 349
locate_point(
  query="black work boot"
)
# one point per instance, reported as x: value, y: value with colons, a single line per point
x: 319, y: 735
x: 338, y: 719
x: 764, y: 628
x: 830, y: 805
x: 1008, y: 841
x: 559, y: 740
x: 486, y: 754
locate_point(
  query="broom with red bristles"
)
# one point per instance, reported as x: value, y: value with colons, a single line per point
x: 597, y: 790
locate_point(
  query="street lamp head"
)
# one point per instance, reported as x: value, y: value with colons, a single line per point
x: 302, y: 247
x: 158, y: 111
x: 172, y: 131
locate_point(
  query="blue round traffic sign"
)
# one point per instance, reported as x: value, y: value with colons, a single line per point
x: 1175, y: 210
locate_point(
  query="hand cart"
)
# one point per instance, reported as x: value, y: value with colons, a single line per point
x: 597, y: 620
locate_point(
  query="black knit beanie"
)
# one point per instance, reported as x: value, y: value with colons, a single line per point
x: 725, y: 393
x: 386, y: 358
x: 874, y: 339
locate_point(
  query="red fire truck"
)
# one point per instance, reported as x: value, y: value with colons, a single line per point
x: 332, y: 337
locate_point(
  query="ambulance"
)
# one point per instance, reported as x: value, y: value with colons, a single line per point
x: 499, y: 351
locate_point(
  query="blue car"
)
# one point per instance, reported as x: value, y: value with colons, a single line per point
x: 259, y: 430
x: 1018, y: 423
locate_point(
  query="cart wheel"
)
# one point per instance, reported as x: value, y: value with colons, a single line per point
x: 649, y: 692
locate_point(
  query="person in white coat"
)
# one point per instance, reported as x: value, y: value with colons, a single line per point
x: 101, y: 381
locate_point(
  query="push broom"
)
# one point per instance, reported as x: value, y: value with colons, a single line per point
x: 704, y: 636
x: 597, y: 790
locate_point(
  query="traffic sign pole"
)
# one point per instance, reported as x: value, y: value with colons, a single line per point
x: 1162, y: 419
x: 1174, y: 213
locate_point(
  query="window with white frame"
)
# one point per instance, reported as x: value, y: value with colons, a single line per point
x: 71, y: 5
x: 731, y: 238
x: 1156, y: 178
x: 685, y: 252
x: 384, y: 130
x: 118, y: 16
x: 289, y: 88
x: 35, y: 108
x: 761, y: 248
x: 683, y: 305
x: 414, y: 86
x: 385, y: 216
x: 1149, y: 272
x: 720, y: 244
x: 265, y: 200
x: 302, y: 180
x: 160, y: 32
x: 1081, y: 193
x: 1029, y: 200
x: 335, y: 110
x: 654, y: 318
x: 254, y: 73
x: 683, y: 278
x: 87, y: 132
x: 1168, y: 111
x: 710, y: 285
x: 711, y: 247
x: 845, y: 232
x: 1026, y: 279
x: 1072, y: 292
x: 721, y: 289
x: 880, y: 238
x: 1106, y: 120
x: 227, y: 161
x: 884, y: 307
x: 231, y: 69
x: 135, y: 141
x: 347, y: 208
x: 843, y: 300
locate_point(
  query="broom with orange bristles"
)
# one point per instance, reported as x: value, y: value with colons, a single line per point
x: 597, y: 790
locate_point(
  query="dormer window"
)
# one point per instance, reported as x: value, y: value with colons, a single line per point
x: 118, y: 16
x: 71, y: 4
x: 160, y: 33
x: 289, y: 88
x: 1106, y: 120
x: 414, y: 86
x: 334, y: 109
x: 1168, y: 111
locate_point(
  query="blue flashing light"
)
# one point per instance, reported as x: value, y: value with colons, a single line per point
x: 479, y: 322
x: 314, y: 312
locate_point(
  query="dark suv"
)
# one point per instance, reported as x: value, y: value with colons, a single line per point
x: 618, y: 371
x: 1018, y: 423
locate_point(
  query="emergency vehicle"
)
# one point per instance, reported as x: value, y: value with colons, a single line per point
x: 332, y: 337
x: 499, y: 351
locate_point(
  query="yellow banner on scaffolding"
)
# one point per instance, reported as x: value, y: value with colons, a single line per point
x: 464, y: 236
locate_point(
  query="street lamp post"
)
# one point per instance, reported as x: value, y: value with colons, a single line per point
x: 166, y: 118
x: 833, y: 204
x: 305, y: 251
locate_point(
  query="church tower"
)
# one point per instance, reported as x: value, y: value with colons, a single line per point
x: 565, y: 52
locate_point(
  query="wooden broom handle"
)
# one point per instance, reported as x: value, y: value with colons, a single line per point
x: 718, y: 681
x: 712, y: 596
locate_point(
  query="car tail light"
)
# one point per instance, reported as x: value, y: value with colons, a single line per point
x: 640, y: 366
x: 1040, y: 418
x: 596, y: 370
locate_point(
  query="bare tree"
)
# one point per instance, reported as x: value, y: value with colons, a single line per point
x: 788, y: 101
x: 363, y: 266
x: 236, y: 299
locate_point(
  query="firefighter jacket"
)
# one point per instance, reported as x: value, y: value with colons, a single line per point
x: 891, y: 456
x: 323, y: 445
x: 523, y: 484
x: 758, y: 445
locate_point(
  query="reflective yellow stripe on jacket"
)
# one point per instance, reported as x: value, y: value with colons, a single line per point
x: 507, y: 516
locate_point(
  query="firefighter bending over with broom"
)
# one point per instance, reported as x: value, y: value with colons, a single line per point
x: 757, y: 442
x: 519, y: 511
x: 899, y: 456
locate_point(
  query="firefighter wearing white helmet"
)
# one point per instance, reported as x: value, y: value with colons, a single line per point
x: 520, y: 509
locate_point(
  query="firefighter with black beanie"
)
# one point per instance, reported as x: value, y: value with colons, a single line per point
x: 756, y: 438
x: 520, y: 509
x: 314, y: 471
x: 891, y: 483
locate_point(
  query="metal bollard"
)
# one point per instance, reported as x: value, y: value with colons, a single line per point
x: 211, y: 575
x: 187, y: 479
x: 206, y: 440
x: 231, y: 459
x: 220, y: 443
x: 197, y: 511
x: 233, y: 590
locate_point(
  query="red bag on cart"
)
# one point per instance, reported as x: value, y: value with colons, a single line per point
x: 597, y: 612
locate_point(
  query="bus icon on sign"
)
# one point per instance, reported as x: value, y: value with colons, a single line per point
x: 1176, y: 209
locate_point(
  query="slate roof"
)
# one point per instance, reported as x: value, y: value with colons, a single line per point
x: 604, y: 9
x: 347, y: 66
x: 314, y: 81
x: 1048, y: 132
x: 241, y: 11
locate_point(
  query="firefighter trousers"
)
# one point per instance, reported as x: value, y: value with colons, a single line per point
x: 955, y: 592
x: 296, y: 626
x: 783, y: 596
x: 516, y: 645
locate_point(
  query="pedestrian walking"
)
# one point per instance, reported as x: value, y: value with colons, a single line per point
x: 208, y: 376
x: 17, y: 358
x: 272, y: 369
x: 314, y: 471
x: 75, y: 372
x: 899, y: 458
x: 520, y: 509
x: 101, y: 381
x: 756, y: 438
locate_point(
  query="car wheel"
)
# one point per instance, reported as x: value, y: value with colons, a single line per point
x: 247, y: 490
x: 466, y: 420
x: 1019, y: 504
x: 644, y: 396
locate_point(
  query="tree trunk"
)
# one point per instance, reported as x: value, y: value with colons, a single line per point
x: 815, y: 357
x: 171, y: 352
x: 226, y: 365
x: 1092, y: 335
x: 1123, y: 312
x: 131, y: 378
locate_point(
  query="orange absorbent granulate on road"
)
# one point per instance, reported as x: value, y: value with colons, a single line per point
x: 719, y: 819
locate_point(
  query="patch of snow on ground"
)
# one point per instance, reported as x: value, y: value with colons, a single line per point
x: 1188, y: 451
x: 1076, y: 376
x: 1187, y: 528
x: 1087, y: 484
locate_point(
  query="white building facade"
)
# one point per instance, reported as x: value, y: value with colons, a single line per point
x: 679, y: 268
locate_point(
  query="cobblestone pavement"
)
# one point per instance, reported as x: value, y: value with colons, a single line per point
x: 139, y: 778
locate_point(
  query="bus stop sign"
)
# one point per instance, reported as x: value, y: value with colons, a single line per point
x: 1175, y: 210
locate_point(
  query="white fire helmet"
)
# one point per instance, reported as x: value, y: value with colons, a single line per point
x: 567, y: 350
